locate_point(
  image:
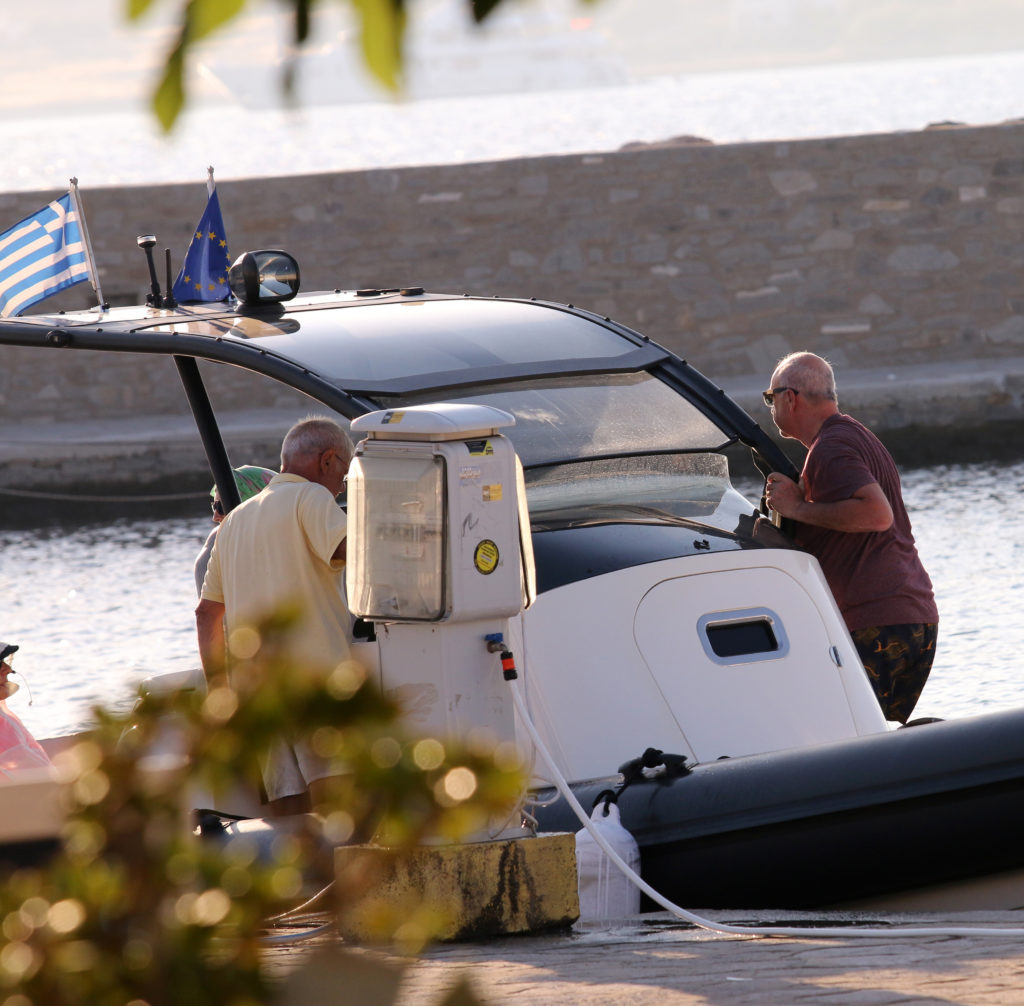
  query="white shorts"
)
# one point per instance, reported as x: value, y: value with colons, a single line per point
x: 288, y: 769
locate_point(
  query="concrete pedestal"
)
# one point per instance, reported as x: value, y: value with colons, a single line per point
x: 458, y: 892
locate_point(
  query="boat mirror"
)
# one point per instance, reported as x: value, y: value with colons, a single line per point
x: 264, y: 277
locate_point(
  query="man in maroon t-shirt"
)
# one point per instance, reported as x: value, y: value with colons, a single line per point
x: 848, y: 512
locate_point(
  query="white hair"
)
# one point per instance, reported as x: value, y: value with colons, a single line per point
x: 311, y: 436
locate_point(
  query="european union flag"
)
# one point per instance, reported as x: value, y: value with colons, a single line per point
x: 41, y: 255
x: 204, y: 276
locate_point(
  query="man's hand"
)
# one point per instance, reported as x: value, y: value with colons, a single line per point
x: 866, y: 510
x: 782, y: 494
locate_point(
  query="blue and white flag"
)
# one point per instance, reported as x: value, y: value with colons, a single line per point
x: 204, y: 276
x: 41, y: 255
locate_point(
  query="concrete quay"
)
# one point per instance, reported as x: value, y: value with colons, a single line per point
x: 653, y: 960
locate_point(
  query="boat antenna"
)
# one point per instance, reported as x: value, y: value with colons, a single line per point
x: 169, y: 300
x: 147, y: 242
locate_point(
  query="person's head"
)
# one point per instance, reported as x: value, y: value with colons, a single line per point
x: 7, y: 651
x: 317, y: 449
x: 801, y: 395
x: 250, y: 480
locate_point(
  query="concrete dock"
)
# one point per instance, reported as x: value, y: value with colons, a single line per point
x: 653, y: 960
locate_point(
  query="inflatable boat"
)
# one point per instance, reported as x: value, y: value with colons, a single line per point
x: 664, y: 612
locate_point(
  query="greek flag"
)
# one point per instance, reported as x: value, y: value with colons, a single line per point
x: 41, y: 255
x: 204, y: 276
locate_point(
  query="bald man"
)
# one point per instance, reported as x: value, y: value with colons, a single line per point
x: 849, y: 513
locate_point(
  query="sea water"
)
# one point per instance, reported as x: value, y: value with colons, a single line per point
x: 126, y: 148
x: 97, y: 608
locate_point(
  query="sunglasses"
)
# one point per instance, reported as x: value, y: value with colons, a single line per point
x: 769, y: 396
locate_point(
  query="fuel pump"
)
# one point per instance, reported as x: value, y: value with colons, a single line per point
x: 439, y: 559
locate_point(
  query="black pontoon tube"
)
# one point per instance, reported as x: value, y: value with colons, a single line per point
x: 511, y: 676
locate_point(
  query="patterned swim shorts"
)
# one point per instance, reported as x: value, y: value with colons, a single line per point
x: 898, y: 659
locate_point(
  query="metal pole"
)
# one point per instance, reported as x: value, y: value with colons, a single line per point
x: 209, y: 431
x: 94, y: 276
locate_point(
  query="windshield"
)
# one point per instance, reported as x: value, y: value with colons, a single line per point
x: 665, y: 488
x: 569, y: 419
x: 614, y: 448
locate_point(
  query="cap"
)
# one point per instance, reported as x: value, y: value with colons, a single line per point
x: 250, y: 480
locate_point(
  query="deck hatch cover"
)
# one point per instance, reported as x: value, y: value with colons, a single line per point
x: 735, y: 637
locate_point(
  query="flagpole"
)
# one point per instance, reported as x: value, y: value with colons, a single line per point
x: 210, y: 183
x: 90, y: 261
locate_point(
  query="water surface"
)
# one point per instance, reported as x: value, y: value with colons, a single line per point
x: 770, y: 104
x: 97, y: 608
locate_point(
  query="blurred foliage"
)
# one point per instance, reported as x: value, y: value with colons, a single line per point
x: 136, y: 909
x: 382, y: 32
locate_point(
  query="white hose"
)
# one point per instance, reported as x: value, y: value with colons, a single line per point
x: 720, y: 927
x: 305, y: 904
x: 297, y: 937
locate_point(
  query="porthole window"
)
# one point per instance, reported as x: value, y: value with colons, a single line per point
x: 739, y: 637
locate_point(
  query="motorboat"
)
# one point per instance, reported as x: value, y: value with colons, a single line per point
x: 676, y: 648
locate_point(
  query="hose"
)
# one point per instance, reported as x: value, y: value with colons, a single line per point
x: 309, y: 902
x: 302, y: 934
x: 697, y: 920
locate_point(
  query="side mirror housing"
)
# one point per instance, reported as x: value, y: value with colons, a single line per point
x: 264, y: 277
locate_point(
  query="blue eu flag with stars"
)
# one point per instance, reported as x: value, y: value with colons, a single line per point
x: 204, y: 276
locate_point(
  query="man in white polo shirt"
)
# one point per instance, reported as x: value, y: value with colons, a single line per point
x: 286, y: 547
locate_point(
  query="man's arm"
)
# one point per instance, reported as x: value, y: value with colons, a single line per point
x: 866, y: 510
x: 210, y: 630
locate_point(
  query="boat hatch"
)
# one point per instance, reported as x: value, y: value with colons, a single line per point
x: 737, y: 637
x: 709, y: 644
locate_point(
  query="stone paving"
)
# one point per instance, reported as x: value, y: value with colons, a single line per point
x: 657, y: 962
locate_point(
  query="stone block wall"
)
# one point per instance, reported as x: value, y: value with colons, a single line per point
x: 885, y: 250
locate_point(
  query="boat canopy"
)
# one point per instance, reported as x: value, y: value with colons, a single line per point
x: 580, y: 386
x: 402, y: 345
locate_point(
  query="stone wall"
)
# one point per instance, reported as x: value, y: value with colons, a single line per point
x: 887, y: 250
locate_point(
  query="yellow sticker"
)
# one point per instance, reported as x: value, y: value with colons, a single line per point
x: 480, y: 447
x: 391, y: 417
x: 485, y: 558
x: 492, y: 493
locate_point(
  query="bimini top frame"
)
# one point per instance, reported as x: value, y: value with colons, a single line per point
x: 354, y: 351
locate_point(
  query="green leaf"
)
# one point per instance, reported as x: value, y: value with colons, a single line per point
x: 205, y: 16
x: 169, y: 96
x: 383, y: 23
x: 303, y: 11
x: 136, y: 8
x: 481, y: 8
